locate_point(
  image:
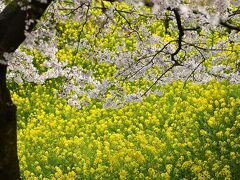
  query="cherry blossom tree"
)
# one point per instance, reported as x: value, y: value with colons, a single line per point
x: 155, y: 41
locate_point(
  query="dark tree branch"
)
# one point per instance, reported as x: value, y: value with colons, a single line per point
x: 13, y: 22
x: 129, y: 24
x: 229, y: 26
x: 158, y: 79
x: 180, y: 35
x: 152, y: 57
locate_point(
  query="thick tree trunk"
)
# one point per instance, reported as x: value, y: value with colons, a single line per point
x: 9, y: 166
x: 12, y: 27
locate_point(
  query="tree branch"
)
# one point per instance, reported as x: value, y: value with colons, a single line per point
x: 229, y: 26
x: 13, y: 22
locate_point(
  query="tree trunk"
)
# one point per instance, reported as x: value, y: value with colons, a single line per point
x: 9, y: 166
x: 12, y: 27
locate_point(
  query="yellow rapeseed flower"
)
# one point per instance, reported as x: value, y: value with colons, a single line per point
x: 211, y: 121
x: 123, y: 174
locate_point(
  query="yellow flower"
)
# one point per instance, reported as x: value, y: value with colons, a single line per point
x: 216, y: 103
x: 165, y: 176
x: 211, y: 121
x: 38, y: 169
x: 215, y: 167
x: 210, y: 107
x: 219, y: 134
x: 123, y: 174
x: 196, y: 169
x: 77, y: 169
x: 203, y: 132
x: 169, y: 168
x: 233, y: 155
x: 26, y: 173
x: 71, y: 175
x: 204, y: 175
x: 225, y: 172
x: 58, y: 173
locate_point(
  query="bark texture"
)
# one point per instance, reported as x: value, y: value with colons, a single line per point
x: 12, y: 27
x: 9, y: 166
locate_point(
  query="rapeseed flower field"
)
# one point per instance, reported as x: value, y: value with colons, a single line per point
x: 188, y: 133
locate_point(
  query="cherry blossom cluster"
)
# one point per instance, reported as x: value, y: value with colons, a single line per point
x: 180, y: 50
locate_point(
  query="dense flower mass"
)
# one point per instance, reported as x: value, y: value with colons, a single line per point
x: 190, y: 132
x: 111, y: 89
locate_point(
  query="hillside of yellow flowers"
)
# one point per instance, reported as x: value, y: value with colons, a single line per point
x: 188, y: 133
